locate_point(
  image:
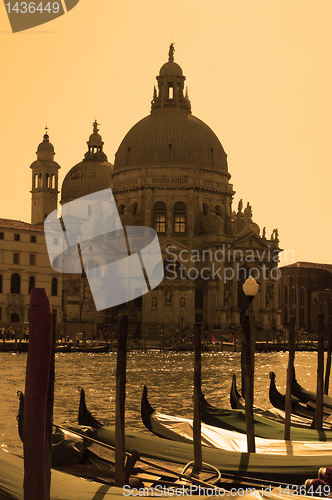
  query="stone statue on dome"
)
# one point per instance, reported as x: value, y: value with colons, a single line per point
x: 248, y: 212
x: 240, y: 206
x: 171, y: 53
x: 95, y: 125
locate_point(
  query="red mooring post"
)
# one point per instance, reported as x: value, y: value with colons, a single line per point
x: 38, y: 404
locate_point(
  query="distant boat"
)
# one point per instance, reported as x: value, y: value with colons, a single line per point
x: 306, y: 410
x: 235, y: 420
x: 305, y: 396
x: 275, y: 413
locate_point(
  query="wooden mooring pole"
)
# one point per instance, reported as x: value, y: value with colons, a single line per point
x: 197, y: 398
x: 38, y: 411
x: 328, y: 361
x: 249, y: 384
x: 320, y: 374
x: 121, y: 364
x: 289, y: 381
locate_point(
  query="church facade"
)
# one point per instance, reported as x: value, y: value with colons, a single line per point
x: 171, y: 173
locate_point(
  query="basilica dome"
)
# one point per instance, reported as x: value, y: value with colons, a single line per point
x: 92, y: 174
x: 171, y: 135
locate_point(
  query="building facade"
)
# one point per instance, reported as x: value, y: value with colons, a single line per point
x: 24, y: 262
x: 306, y: 293
x: 171, y: 173
x: 24, y: 265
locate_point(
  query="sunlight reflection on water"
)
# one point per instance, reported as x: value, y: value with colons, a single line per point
x: 169, y: 377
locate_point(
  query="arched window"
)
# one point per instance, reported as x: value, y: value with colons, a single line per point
x: 53, y: 182
x: 179, y: 217
x: 31, y: 283
x: 159, y: 217
x: 302, y: 295
x: 14, y: 318
x: 173, y: 270
x: 138, y: 298
x: 48, y: 181
x: 315, y: 312
x: 36, y: 181
x: 199, y: 298
x: 169, y: 269
x: 205, y: 208
x: 293, y: 295
x: 92, y: 269
x: 40, y: 183
x: 134, y: 208
x: 15, y: 283
x: 218, y: 210
x: 54, y: 290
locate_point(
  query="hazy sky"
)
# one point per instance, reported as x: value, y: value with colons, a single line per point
x: 258, y: 73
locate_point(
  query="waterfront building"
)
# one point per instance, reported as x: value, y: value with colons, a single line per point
x: 306, y: 293
x: 24, y: 262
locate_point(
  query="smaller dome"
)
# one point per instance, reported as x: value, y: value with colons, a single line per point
x: 46, y: 145
x: 92, y: 174
x: 85, y: 178
x: 170, y: 69
x: 95, y: 139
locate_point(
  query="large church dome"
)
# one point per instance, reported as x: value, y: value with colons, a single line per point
x: 171, y: 135
x: 92, y: 174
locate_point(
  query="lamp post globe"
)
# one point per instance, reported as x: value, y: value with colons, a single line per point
x: 250, y: 288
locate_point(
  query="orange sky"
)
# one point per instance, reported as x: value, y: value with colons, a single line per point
x: 258, y: 73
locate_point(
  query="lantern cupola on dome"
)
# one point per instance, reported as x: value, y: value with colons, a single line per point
x: 170, y: 92
x: 92, y: 174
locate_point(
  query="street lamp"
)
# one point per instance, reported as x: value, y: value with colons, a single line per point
x: 250, y: 288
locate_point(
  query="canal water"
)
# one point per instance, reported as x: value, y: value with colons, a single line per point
x: 169, y: 377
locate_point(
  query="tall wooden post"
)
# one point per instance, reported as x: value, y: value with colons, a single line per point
x: 121, y: 362
x: 320, y: 374
x: 290, y: 371
x: 248, y: 387
x: 197, y: 397
x: 328, y: 362
x: 38, y: 412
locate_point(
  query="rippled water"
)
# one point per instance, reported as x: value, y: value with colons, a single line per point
x: 169, y: 377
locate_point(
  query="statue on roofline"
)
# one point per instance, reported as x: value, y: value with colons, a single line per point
x: 171, y: 53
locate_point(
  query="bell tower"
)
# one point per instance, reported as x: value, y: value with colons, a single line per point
x: 44, y: 192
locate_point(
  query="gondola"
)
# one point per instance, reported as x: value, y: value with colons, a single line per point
x: 66, y: 486
x: 75, y: 451
x: 268, y: 428
x: 237, y: 402
x: 305, y: 396
x: 181, y: 429
x: 220, y: 425
x: 301, y: 409
x: 265, y: 468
